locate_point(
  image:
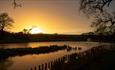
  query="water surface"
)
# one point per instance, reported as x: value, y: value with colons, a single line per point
x: 27, y: 61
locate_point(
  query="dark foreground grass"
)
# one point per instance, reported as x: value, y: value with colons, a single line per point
x: 97, y: 58
x: 105, y: 61
x: 4, y: 53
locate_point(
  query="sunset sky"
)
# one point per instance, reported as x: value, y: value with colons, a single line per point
x: 51, y: 16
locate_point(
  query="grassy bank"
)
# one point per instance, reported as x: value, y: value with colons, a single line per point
x: 6, y: 37
x: 4, y: 53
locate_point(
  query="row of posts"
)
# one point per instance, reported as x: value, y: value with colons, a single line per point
x: 80, y: 58
x: 49, y: 65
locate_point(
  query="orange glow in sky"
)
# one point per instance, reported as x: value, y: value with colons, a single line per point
x: 51, y: 16
x: 35, y: 30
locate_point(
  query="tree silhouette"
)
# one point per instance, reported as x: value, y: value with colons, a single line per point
x: 5, y: 21
x: 104, y: 23
x: 25, y: 31
x: 94, y: 6
x: 15, y: 4
x: 97, y: 9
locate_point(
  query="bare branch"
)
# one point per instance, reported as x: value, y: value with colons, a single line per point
x: 15, y: 4
x: 93, y: 6
x: 103, y: 21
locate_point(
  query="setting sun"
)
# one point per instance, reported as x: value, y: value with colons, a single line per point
x: 35, y: 30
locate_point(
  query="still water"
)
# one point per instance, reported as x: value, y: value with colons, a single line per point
x: 27, y: 61
x: 37, y: 44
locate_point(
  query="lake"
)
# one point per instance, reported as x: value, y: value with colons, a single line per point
x: 27, y: 61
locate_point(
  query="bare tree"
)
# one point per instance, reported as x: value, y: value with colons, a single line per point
x: 104, y: 23
x: 94, y: 6
x: 5, y: 21
x: 97, y: 9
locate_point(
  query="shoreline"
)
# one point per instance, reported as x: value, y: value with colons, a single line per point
x: 51, y: 41
x: 5, y: 53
